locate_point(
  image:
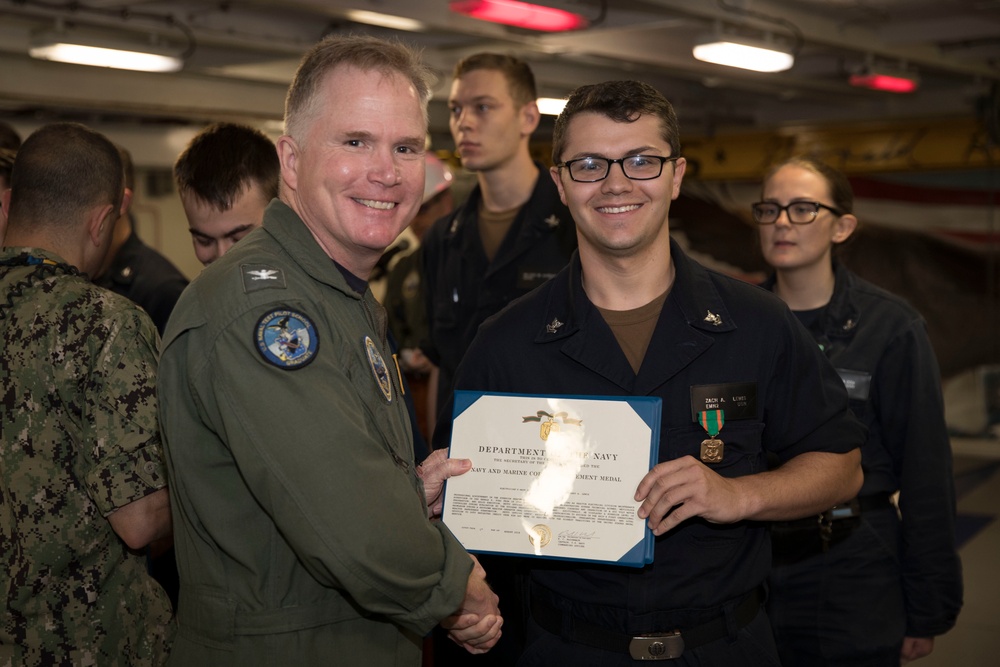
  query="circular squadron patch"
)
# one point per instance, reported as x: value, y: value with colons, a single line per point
x: 379, y: 369
x: 286, y: 339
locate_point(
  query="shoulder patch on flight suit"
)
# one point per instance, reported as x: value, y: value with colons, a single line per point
x: 261, y: 276
x: 379, y: 369
x: 286, y: 339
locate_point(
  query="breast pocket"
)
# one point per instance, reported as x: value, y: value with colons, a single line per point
x: 739, y: 454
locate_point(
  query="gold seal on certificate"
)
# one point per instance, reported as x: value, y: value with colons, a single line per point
x: 559, y: 470
x: 539, y: 535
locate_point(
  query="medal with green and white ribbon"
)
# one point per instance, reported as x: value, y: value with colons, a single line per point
x: 712, y: 421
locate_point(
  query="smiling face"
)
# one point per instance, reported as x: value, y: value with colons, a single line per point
x: 356, y: 175
x: 487, y: 124
x: 788, y: 247
x: 617, y: 216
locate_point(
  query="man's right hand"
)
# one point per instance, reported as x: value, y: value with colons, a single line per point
x: 476, y: 624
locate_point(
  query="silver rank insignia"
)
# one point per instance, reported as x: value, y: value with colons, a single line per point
x: 553, y: 326
x: 261, y: 276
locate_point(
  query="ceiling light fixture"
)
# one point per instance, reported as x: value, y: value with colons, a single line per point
x: 80, y: 49
x: 550, y: 106
x: 385, y: 20
x: 891, y: 81
x: 743, y: 52
x: 520, y: 14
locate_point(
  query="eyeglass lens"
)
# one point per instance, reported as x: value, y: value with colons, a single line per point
x: 638, y: 167
x: 800, y: 213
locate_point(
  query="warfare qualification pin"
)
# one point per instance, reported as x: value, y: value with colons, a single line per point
x: 712, y: 448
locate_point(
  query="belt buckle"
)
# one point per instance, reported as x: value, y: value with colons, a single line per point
x: 657, y: 646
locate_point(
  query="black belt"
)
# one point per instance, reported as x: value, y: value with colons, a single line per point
x: 794, y: 541
x: 852, y: 508
x: 648, y: 646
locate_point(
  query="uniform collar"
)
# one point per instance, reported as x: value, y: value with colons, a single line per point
x: 841, y: 316
x: 122, y: 270
x: 692, y: 315
x: 11, y: 252
x: 290, y: 232
x: 544, y: 200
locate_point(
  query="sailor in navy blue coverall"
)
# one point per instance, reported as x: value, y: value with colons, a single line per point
x: 712, y: 340
x: 862, y: 584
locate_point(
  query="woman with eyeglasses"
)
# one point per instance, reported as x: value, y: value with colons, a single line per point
x: 865, y: 583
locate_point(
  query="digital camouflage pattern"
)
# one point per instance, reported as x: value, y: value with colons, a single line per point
x: 78, y: 440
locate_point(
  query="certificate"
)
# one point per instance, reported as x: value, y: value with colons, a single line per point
x: 552, y: 476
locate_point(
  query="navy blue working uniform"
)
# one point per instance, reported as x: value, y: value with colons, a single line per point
x: 897, y: 577
x: 715, y: 335
x: 145, y: 277
x: 463, y: 288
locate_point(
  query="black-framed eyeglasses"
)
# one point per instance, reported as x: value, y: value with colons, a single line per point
x: 635, y: 167
x: 799, y: 212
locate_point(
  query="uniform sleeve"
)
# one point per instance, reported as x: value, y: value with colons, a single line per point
x: 909, y: 408
x: 122, y: 449
x: 341, y: 499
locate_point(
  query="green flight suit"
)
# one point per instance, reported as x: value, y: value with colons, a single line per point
x: 301, y: 528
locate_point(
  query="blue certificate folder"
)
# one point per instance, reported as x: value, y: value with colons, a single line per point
x: 518, y: 444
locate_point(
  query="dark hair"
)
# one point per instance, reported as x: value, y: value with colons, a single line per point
x: 128, y: 166
x: 622, y: 102
x: 223, y: 161
x: 9, y: 138
x: 362, y: 52
x: 6, y: 165
x: 520, y: 80
x: 840, y: 188
x: 63, y: 170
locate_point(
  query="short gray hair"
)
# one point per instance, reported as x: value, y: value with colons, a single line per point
x: 363, y: 52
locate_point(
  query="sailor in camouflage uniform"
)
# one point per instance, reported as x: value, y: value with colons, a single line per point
x: 82, y: 483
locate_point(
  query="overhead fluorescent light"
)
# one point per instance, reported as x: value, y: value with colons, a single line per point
x: 385, y: 20
x: 83, y: 49
x: 550, y: 106
x: 743, y: 52
x: 886, y: 80
x: 520, y: 14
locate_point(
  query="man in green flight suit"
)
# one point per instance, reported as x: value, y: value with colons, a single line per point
x: 303, y: 526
